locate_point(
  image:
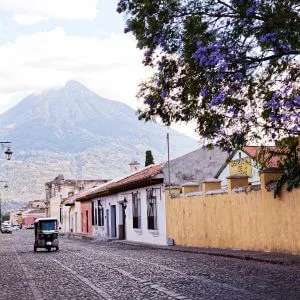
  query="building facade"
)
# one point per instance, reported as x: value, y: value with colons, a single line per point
x: 131, y: 208
x: 244, y: 162
x: 57, y: 191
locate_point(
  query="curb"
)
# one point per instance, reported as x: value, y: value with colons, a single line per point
x: 276, y: 261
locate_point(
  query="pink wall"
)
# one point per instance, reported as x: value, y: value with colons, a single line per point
x: 86, y: 217
x: 29, y: 220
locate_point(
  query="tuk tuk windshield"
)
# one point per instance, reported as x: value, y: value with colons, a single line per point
x: 48, y: 225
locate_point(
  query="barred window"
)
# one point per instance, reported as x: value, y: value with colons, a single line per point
x: 93, y: 216
x: 100, y: 214
x: 152, y: 209
x: 136, y: 210
x: 95, y: 213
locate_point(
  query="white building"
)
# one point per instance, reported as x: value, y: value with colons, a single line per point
x: 243, y: 162
x: 131, y: 207
x: 56, y: 193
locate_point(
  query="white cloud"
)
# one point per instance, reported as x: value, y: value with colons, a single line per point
x: 28, y: 20
x: 111, y: 67
x: 62, y: 9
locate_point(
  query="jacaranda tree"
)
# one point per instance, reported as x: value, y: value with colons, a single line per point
x: 233, y: 66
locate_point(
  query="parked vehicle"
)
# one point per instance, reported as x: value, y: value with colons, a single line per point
x: 29, y: 226
x: 15, y: 227
x: 46, y: 234
x: 6, y: 228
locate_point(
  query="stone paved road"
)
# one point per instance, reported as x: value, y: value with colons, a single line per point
x: 107, y: 270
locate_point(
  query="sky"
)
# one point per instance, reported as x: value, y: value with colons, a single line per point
x: 45, y: 43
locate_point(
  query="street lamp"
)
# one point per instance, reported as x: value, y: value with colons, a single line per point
x: 125, y: 203
x: 8, y: 151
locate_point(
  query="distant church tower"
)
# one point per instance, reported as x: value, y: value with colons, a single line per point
x: 134, y: 166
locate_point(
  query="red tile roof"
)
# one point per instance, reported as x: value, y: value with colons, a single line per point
x: 137, y: 177
x: 253, y: 151
x: 146, y: 173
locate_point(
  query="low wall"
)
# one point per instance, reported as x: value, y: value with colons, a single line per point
x: 253, y: 221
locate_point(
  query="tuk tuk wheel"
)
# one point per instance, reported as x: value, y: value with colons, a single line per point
x: 34, y: 248
x: 57, y: 248
x: 49, y: 249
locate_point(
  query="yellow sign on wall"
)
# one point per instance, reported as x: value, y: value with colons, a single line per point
x: 241, y: 166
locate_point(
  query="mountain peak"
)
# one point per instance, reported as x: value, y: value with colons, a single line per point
x: 73, y: 84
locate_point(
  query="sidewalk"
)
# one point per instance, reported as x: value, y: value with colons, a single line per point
x: 259, y: 256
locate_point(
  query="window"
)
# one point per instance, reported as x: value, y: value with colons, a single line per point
x: 100, y: 214
x: 136, y: 210
x: 93, y: 216
x: 152, y: 209
x: 48, y: 225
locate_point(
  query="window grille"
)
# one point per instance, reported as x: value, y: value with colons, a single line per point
x: 93, y: 217
x: 152, y: 209
x: 100, y: 214
x: 95, y: 214
x: 136, y: 210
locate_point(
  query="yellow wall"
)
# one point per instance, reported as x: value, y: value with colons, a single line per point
x: 254, y: 221
x: 233, y: 182
x: 208, y: 186
x: 190, y: 189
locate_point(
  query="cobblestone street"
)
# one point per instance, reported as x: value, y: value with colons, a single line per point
x: 109, y: 270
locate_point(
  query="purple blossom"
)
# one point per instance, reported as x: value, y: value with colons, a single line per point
x: 294, y: 129
x: 231, y: 91
x: 285, y: 47
x: 126, y: 30
x: 297, y: 100
x: 204, y: 91
x: 269, y: 37
x: 159, y: 40
x: 218, y: 99
x: 234, y: 111
x: 150, y: 101
x: 238, y: 75
x: 250, y: 11
x: 274, y: 103
x: 289, y: 104
x: 163, y: 94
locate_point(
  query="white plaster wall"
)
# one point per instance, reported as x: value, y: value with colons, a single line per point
x: 142, y: 235
x: 65, y: 227
x: 55, y: 208
x: 77, y: 209
x: 107, y: 202
x: 254, y: 179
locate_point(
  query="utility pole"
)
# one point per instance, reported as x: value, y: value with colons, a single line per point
x: 169, y: 173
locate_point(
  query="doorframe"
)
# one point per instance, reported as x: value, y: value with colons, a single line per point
x: 107, y: 222
x: 113, y: 221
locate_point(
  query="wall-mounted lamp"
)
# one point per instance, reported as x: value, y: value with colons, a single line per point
x: 125, y: 203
